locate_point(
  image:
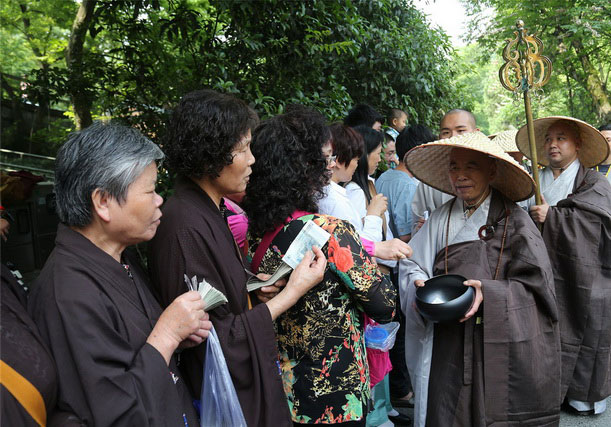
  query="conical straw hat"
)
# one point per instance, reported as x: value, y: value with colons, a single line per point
x: 506, y: 140
x: 594, y: 148
x: 430, y: 163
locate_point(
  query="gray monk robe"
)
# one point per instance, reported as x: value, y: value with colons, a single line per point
x: 194, y: 239
x: 577, y: 232
x: 502, y: 366
x: 95, y: 319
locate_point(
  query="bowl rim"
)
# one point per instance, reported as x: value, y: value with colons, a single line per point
x: 464, y: 279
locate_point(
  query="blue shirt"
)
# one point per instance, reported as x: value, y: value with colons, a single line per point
x: 399, y: 188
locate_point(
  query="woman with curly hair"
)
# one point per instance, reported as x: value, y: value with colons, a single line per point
x: 208, y: 146
x: 320, y: 339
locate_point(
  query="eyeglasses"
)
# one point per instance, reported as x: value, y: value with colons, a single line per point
x: 330, y: 159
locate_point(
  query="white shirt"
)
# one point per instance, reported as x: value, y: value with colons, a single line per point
x: 336, y: 203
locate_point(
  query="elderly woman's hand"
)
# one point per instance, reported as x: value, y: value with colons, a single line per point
x: 184, y: 318
x: 308, y: 274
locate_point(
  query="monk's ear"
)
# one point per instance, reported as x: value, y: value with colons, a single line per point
x: 492, y: 169
x: 100, y: 201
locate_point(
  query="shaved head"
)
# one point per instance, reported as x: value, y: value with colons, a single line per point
x: 456, y: 122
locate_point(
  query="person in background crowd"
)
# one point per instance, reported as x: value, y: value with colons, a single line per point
x: 427, y: 199
x: 112, y: 343
x: 208, y: 146
x: 500, y: 364
x: 605, y: 166
x: 320, y: 339
x: 390, y: 152
x: 576, y: 218
x: 397, y: 120
x: 362, y: 194
x: 364, y: 115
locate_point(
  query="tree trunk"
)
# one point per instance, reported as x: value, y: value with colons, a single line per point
x: 593, y: 83
x: 77, y: 84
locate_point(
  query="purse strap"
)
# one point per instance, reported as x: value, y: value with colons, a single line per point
x: 267, y: 239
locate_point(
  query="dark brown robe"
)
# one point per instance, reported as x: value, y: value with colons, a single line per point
x: 194, y: 239
x: 504, y: 371
x: 95, y: 319
x: 577, y: 232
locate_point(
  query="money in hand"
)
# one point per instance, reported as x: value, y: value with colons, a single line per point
x: 212, y: 297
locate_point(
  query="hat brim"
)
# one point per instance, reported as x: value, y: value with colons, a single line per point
x: 593, y: 150
x: 430, y: 163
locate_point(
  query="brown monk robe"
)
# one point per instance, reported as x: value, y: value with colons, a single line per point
x: 502, y: 366
x: 194, y: 239
x: 96, y: 319
x: 577, y: 232
x: 29, y: 377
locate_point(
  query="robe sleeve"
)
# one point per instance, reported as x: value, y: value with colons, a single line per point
x: 247, y: 337
x: 372, y: 291
x: 512, y: 306
x: 122, y: 385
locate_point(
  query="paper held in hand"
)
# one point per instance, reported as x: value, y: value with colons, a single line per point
x: 212, y: 297
x: 310, y: 235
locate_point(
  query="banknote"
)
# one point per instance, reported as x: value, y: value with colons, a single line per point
x: 310, y: 235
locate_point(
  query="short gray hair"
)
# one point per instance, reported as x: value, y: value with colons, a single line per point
x: 105, y: 156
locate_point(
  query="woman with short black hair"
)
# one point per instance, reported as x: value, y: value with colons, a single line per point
x: 208, y: 146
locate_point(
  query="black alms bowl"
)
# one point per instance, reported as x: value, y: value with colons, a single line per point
x: 444, y: 298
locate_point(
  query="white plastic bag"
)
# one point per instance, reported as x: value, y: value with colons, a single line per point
x: 220, y: 406
x: 381, y: 337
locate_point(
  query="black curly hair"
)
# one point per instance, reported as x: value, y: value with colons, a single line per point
x: 204, y: 128
x: 290, y: 170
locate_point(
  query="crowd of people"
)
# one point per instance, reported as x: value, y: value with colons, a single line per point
x: 103, y: 339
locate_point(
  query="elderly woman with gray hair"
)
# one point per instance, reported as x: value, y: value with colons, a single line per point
x: 112, y: 342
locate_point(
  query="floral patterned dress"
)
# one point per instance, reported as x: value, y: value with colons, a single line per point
x: 320, y: 339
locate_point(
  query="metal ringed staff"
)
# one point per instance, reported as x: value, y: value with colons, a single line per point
x: 526, y: 69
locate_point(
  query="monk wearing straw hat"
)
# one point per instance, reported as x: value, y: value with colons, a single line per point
x: 576, y: 218
x: 500, y: 364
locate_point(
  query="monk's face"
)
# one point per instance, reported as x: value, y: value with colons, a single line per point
x: 457, y: 123
x: 470, y: 174
x: 561, y: 144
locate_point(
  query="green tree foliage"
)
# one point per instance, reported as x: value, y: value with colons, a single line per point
x: 577, y: 38
x: 134, y: 59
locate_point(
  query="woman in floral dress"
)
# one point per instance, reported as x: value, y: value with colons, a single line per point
x: 320, y: 339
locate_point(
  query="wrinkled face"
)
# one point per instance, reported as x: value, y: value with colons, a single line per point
x: 470, y: 174
x: 136, y: 219
x: 233, y: 178
x: 399, y: 122
x: 561, y: 144
x: 390, y: 153
x: 373, y: 159
x: 343, y: 172
x: 456, y: 124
